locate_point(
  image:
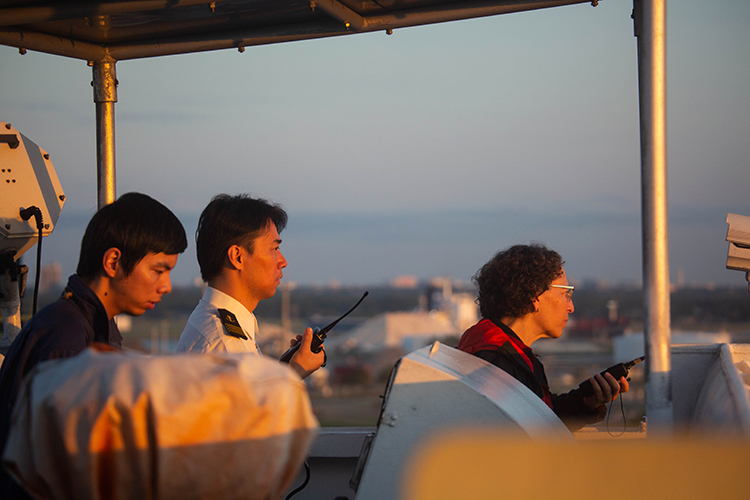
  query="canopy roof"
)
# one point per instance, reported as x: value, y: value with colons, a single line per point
x: 130, y: 29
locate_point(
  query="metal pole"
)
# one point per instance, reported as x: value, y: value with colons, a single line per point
x: 650, y: 25
x: 105, y: 97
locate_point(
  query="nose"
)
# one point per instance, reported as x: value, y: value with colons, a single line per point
x: 282, y: 261
x: 571, y: 307
x: 165, y: 286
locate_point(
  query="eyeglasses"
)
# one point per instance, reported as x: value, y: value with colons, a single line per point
x: 568, y: 290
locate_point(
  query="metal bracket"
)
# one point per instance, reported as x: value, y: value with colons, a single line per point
x: 10, y: 139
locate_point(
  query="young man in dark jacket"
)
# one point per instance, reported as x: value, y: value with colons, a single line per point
x: 127, y: 253
x: 524, y: 295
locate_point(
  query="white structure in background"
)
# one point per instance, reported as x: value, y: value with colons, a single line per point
x: 630, y: 346
x: 124, y: 323
x: 442, y: 314
x: 274, y: 338
x: 461, y: 308
x: 404, y: 330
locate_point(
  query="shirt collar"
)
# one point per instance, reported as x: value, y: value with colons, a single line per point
x: 245, y: 318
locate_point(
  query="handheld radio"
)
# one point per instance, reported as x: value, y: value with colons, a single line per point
x: 319, y: 336
x: 617, y: 371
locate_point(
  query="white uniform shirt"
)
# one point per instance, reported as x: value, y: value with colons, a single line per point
x: 204, y: 331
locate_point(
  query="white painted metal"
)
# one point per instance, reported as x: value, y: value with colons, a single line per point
x: 27, y: 178
x: 711, y: 385
x: 439, y: 389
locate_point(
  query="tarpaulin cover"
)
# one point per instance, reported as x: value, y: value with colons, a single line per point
x: 123, y: 425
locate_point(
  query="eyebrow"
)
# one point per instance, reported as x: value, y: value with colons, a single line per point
x: 163, y: 264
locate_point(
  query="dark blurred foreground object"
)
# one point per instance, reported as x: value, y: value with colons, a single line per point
x: 113, y: 425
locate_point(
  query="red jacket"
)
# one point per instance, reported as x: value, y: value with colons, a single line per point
x: 486, y: 336
x: 498, y: 344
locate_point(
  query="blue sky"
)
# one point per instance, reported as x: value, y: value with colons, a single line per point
x: 426, y: 151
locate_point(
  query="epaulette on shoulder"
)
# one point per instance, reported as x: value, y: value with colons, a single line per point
x: 231, y: 325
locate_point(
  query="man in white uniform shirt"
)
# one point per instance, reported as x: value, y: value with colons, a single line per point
x: 237, y: 243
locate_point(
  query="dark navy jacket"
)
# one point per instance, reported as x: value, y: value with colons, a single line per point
x: 60, y: 330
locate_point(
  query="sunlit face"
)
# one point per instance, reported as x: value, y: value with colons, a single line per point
x: 263, y: 274
x: 143, y: 288
x: 554, y: 306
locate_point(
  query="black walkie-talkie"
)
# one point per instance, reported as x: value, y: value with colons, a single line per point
x: 617, y: 371
x: 319, y: 336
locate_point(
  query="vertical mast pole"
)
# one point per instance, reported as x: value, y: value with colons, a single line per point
x: 650, y: 27
x: 105, y: 97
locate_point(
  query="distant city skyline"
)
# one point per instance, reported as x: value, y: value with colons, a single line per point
x: 424, y: 152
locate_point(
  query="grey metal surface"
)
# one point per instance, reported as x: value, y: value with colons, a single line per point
x: 105, y: 97
x: 650, y: 19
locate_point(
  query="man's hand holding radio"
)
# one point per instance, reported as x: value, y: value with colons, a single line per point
x: 304, y: 361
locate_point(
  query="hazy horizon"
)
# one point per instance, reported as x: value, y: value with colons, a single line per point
x: 357, y: 249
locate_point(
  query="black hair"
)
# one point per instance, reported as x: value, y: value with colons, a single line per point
x: 509, y: 283
x: 232, y: 220
x: 135, y: 224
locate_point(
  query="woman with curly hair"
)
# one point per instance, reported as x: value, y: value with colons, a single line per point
x: 524, y: 295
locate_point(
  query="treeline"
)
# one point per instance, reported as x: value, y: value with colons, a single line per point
x: 688, y: 305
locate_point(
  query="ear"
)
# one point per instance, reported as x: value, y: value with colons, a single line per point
x: 111, y: 262
x: 236, y: 256
x: 535, y: 303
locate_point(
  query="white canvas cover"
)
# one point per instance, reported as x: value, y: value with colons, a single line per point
x: 114, y: 425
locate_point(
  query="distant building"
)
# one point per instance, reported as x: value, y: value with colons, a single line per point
x: 404, y: 330
x: 274, y: 339
x: 460, y: 307
x: 463, y: 311
x: 442, y: 314
x: 407, y: 281
x: 124, y: 323
x: 50, y: 277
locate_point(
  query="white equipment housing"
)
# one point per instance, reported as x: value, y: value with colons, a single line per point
x: 738, y: 236
x: 438, y: 390
x: 27, y: 178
